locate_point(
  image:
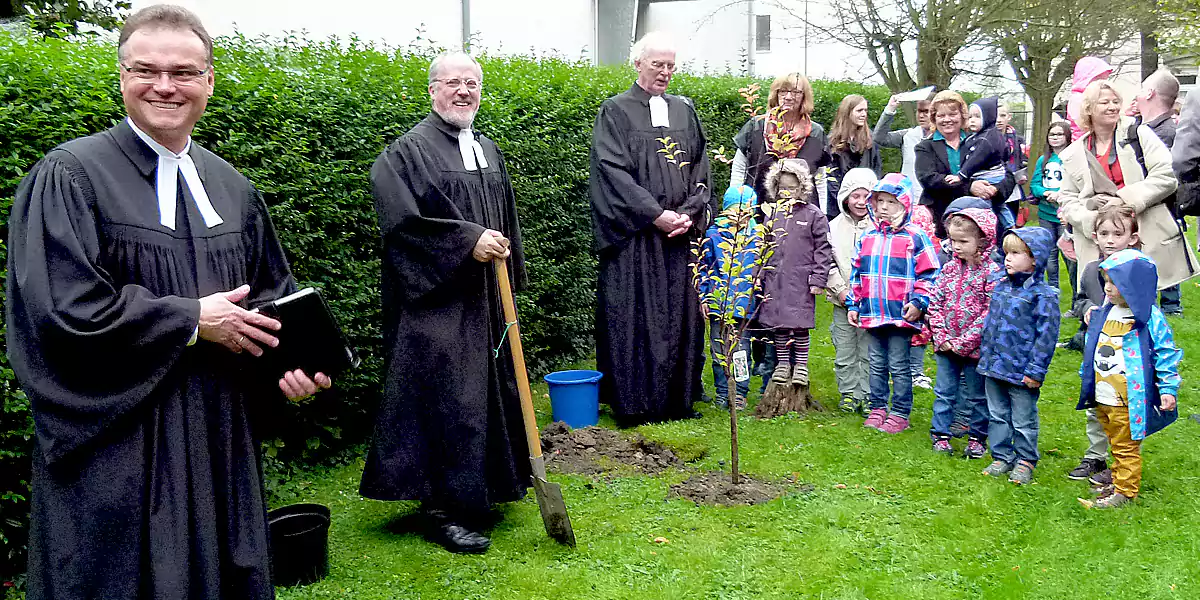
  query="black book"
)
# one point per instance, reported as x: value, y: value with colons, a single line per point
x: 309, y: 337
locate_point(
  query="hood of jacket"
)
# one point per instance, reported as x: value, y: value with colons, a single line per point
x: 990, y: 107
x: 1136, y: 277
x: 858, y: 178
x: 986, y: 220
x: 1041, y: 242
x: 965, y: 202
x: 899, y: 186
x: 1087, y: 70
x: 736, y: 196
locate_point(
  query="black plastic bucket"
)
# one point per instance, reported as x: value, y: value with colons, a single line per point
x: 299, y: 544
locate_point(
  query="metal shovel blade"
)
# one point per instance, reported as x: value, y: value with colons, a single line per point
x: 554, y: 511
x: 550, y: 502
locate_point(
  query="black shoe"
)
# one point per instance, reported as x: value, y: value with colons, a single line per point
x: 1087, y: 467
x: 456, y: 538
x: 1102, y: 478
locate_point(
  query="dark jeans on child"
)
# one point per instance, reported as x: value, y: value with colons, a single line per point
x: 957, y: 379
x: 1056, y: 230
x: 891, y: 355
x: 1013, y: 429
x: 716, y: 349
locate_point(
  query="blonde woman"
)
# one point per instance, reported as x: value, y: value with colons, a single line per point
x: 850, y: 146
x: 1102, y: 168
x: 791, y: 98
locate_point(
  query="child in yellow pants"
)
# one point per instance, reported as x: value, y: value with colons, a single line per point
x: 1130, y: 370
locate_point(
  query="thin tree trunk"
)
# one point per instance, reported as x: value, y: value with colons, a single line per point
x: 733, y: 428
x: 1149, y: 50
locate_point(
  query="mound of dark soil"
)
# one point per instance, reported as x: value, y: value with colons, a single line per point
x: 716, y: 488
x: 592, y: 450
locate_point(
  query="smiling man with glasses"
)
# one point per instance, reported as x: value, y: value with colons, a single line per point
x: 133, y: 256
x: 448, y: 432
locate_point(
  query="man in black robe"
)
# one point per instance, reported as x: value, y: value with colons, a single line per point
x: 647, y: 207
x: 449, y: 432
x: 129, y: 254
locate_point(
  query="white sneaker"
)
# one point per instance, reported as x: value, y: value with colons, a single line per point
x: 922, y: 381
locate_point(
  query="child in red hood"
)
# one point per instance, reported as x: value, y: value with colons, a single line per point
x: 1087, y: 70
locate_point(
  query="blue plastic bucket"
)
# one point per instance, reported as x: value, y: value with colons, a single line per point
x: 575, y: 397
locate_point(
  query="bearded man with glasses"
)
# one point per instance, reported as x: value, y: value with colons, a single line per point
x: 134, y: 255
x: 449, y: 430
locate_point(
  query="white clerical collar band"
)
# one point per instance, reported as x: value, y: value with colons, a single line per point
x: 471, y: 151
x: 170, y: 165
x: 659, y: 115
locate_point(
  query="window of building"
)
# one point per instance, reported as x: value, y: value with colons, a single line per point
x: 762, y: 30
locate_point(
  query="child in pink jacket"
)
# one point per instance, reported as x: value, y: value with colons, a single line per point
x: 956, y: 315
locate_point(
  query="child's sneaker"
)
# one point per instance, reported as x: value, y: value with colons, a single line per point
x: 997, y: 468
x: 894, y: 424
x: 959, y: 429
x: 860, y: 406
x: 1087, y: 468
x: 974, y: 449
x: 1114, y: 500
x: 1022, y: 473
x: 942, y: 445
x: 847, y: 404
x: 800, y: 375
x: 1101, y: 491
x: 923, y: 381
x: 875, y: 418
x: 1101, y: 478
x: 783, y: 372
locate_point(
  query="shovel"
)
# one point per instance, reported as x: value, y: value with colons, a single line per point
x: 549, y: 495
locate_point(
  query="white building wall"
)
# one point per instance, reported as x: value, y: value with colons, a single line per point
x: 561, y: 27
x: 714, y: 36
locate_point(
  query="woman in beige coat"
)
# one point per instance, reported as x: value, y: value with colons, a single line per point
x: 1102, y: 167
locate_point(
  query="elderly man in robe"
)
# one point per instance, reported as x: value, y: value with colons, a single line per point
x: 449, y: 432
x: 647, y: 207
x: 133, y: 256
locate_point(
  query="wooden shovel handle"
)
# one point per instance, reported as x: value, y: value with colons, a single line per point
x: 514, y: 344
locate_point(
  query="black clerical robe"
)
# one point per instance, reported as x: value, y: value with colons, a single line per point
x: 649, y: 331
x: 449, y: 430
x: 146, y: 477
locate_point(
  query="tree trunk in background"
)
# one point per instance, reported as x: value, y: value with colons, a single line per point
x: 1043, y: 110
x: 1149, y: 50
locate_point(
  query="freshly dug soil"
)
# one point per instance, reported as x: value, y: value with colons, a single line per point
x: 716, y: 488
x: 593, y: 450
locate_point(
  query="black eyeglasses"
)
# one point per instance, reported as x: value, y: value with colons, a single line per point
x: 148, y: 74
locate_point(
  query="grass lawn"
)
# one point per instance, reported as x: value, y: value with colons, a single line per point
x: 930, y: 526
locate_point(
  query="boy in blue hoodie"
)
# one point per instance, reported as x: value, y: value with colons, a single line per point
x: 1130, y: 370
x: 1019, y: 335
x: 727, y: 288
x: 985, y: 154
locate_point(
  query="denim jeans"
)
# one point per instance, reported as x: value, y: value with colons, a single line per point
x: 916, y: 357
x: 958, y: 383
x: 1013, y: 429
x: 890, y: 349
x: 716, y: 343
x: 1171, y: 299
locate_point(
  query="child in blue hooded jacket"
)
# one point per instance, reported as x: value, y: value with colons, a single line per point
x: 1018, y: 342
x: 726, y: 287
x: 1130, y: 370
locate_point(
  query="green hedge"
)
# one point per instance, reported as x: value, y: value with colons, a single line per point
x: 304, y: 122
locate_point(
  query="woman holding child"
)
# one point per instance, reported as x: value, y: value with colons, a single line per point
x: 940, y: 156
x: 1102, y: 168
